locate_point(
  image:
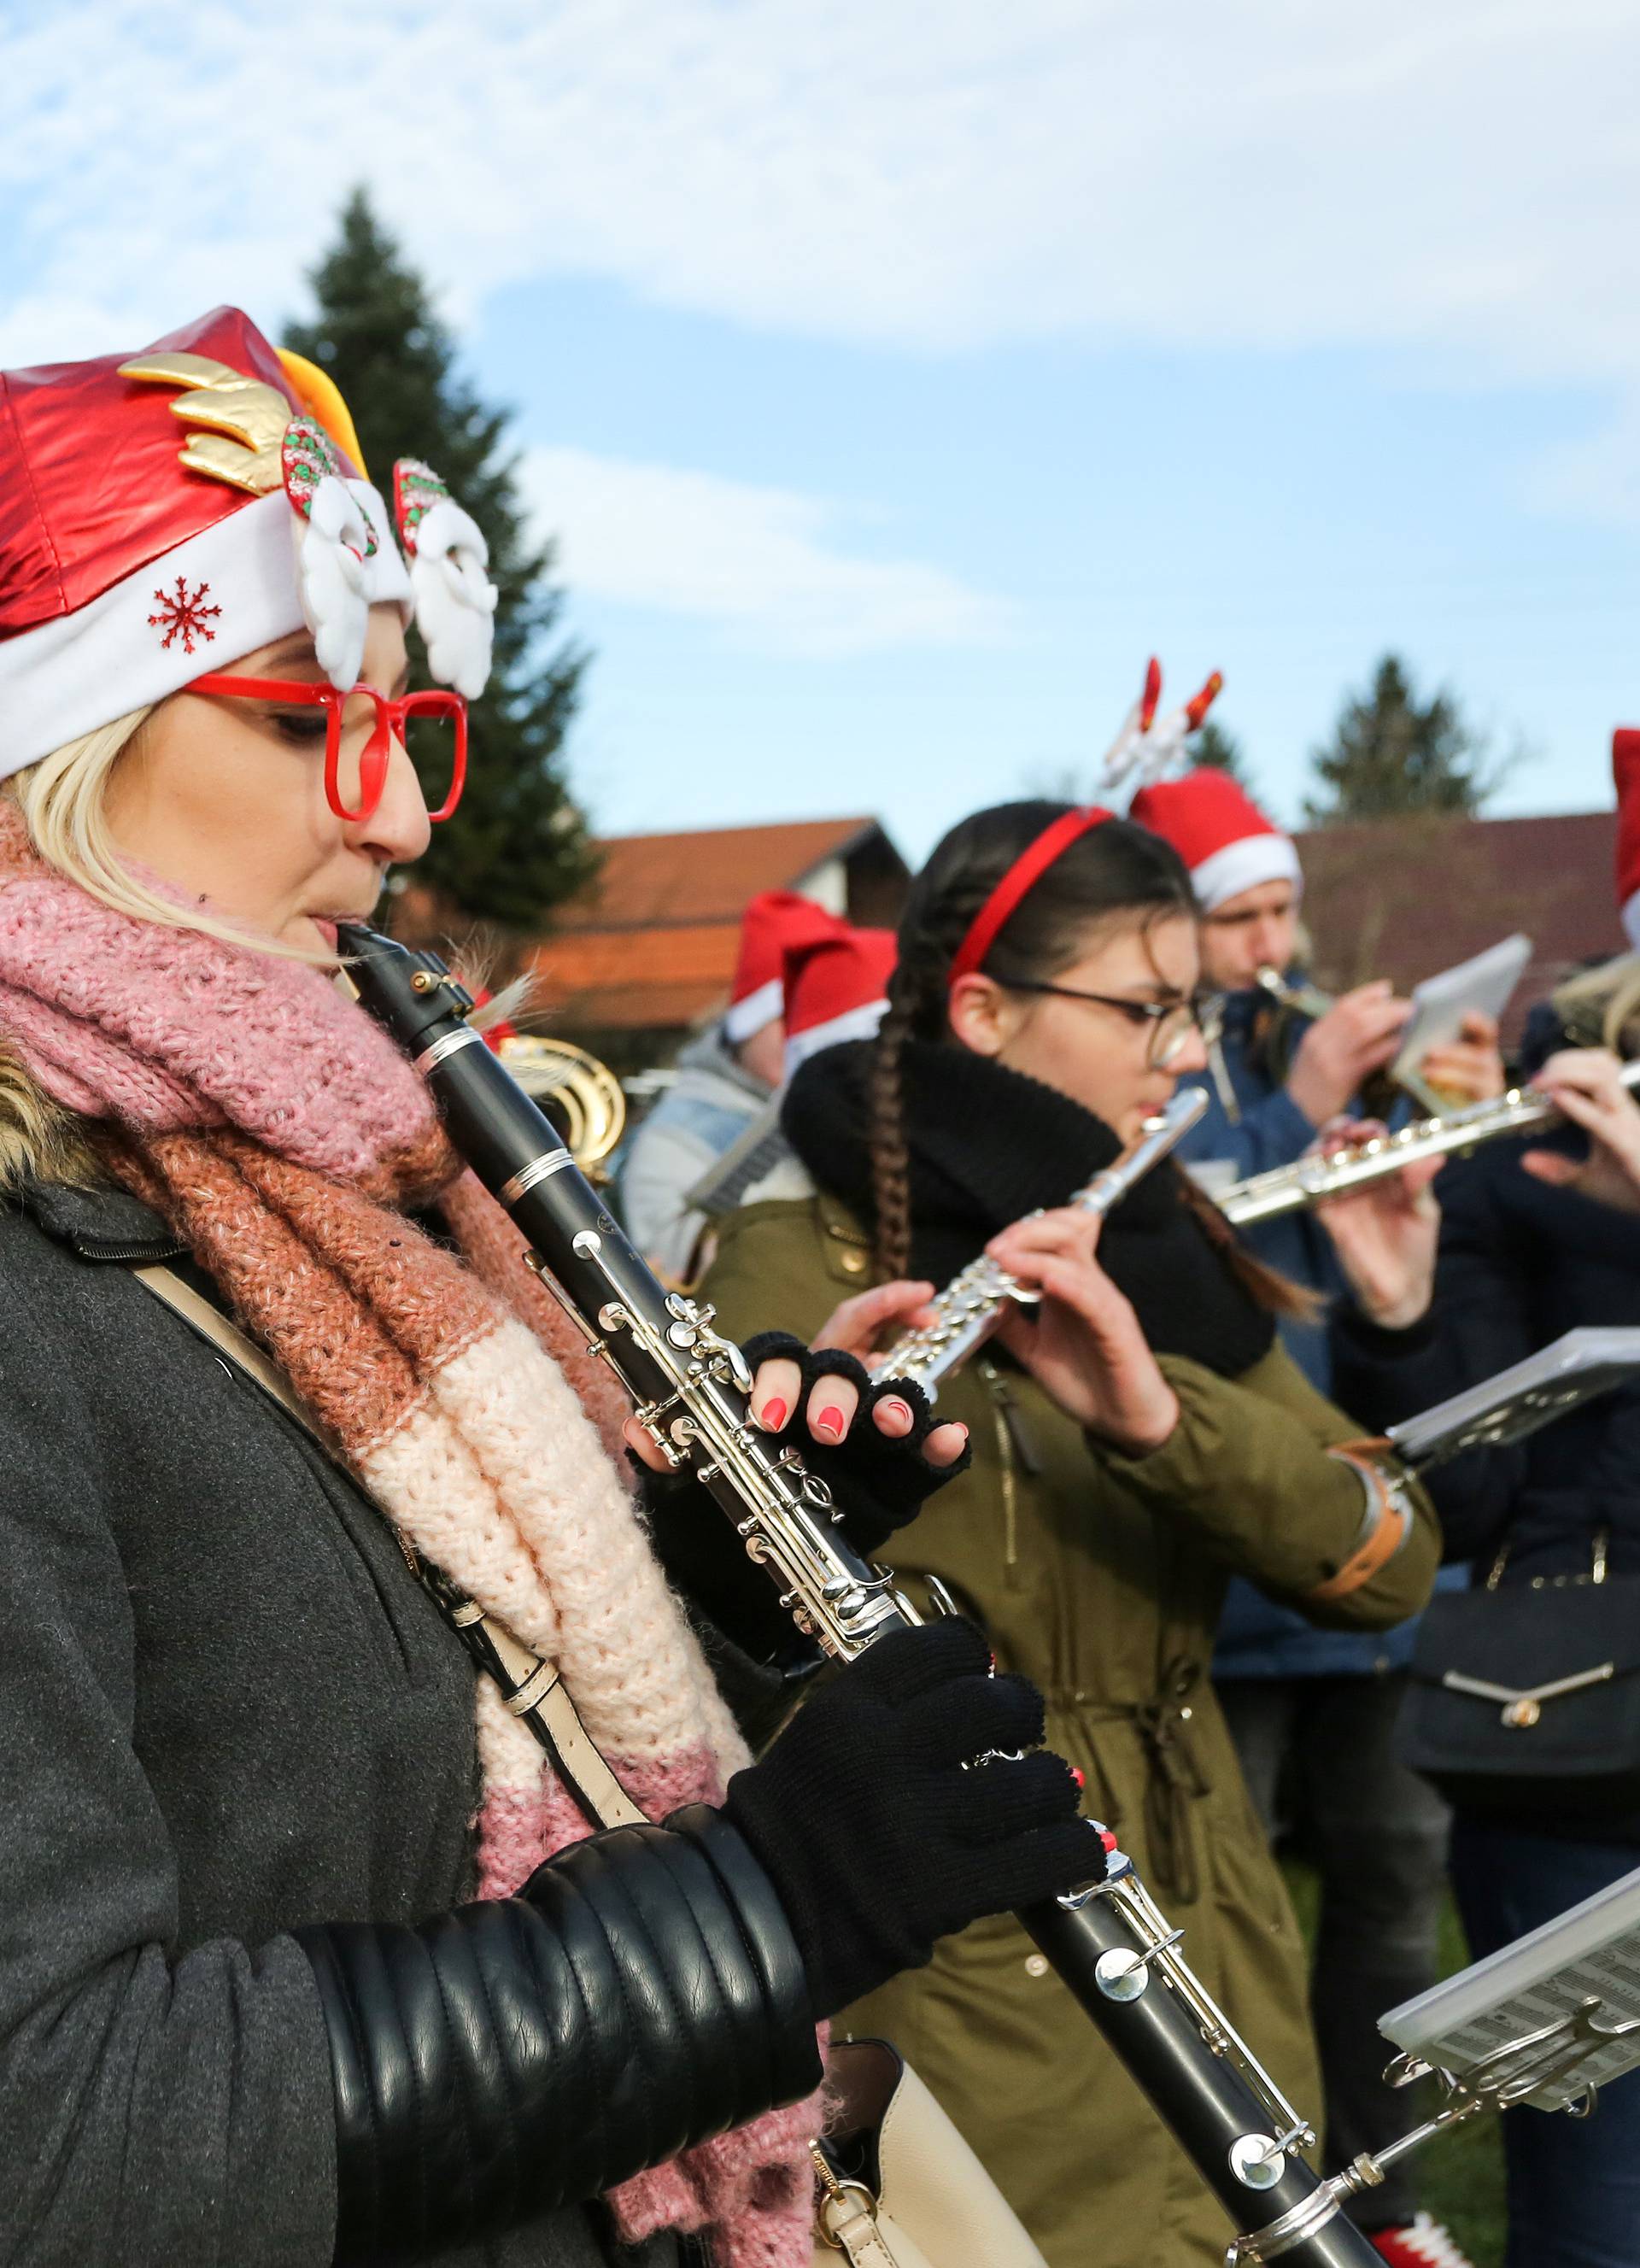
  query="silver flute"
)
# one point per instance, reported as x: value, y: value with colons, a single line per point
x: 1109, y: 1943
x: 972, y: 1304
x: 1308, y: 1180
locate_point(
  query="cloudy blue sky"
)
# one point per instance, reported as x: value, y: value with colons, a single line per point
x: 898, y: 378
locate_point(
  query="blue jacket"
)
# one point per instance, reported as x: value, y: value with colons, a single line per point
x: 1257, y: 1638
x: 1269, y: 1130
x: 706, y: 1109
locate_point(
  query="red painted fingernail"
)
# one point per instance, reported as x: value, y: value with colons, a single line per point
x: 773, y: 1415
x: 832, y: 1423
x: 1080, y: 1779
x: 1107, y: 1838
x: 899, y: 1409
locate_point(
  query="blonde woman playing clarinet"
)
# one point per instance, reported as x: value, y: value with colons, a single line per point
x: 309, y: 1954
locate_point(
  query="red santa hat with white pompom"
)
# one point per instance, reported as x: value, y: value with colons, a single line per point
x: 774, y: 923
x: 1220, y: 832
x: 836, y: 989
x: 1626, y: 773
x: 164, y: 514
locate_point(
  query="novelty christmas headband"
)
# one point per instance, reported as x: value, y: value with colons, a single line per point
x: 1016, y: 884
x: 1154, y: 745
x: 125, y: 572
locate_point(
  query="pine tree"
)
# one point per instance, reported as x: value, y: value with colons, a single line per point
x: 1391, y: 755
x: 517, y: 845
x: 1221, y: 751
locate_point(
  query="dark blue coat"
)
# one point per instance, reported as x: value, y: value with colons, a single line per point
x: 1257, y: 1638
x: 1520, y: 1264
x: 1268, y: 1130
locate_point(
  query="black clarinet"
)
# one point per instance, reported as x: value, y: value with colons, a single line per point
x: 690, y: 1388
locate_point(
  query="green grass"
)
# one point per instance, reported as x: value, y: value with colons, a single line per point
x: 1459, y: 2174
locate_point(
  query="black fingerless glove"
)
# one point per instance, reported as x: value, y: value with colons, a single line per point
x: 875, y: 1838
x: 879, y: 1484
x: 876, y: 1484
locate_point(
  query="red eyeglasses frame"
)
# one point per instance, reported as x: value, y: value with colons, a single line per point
x: 391, y: 717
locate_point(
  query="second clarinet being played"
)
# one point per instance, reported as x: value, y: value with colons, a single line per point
x: 1138, y: 1438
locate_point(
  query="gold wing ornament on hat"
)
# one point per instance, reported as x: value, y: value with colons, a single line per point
x: 245, y: 417
x: 255, y: 441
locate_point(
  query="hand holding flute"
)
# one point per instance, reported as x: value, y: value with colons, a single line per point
x: 1078, y: 1337
x: 1083, y: 1343
x: 1387, y: 1231
x: 1588, y: 1086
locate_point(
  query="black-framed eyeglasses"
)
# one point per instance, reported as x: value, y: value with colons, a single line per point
x: 1171, y: 1022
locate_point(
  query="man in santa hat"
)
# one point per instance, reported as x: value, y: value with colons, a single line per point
x: 725, y: 1079
x: 1281, y: 1074
x: 1270, y: 1101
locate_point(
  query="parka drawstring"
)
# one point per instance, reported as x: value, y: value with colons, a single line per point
x: 1175, y: 1781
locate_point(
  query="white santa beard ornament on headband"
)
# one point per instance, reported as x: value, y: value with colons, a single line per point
x: 333, y: 539
x: 455, y: 600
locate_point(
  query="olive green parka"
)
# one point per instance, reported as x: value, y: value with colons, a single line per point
x: 1101, y: 1577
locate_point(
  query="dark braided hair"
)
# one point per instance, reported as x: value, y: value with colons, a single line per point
x: 1118, y: 874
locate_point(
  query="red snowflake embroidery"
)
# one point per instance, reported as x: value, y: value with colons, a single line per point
x: 183, y: 614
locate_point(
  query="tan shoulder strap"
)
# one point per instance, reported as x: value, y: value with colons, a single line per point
x: 226, y: 1336
x: 532, y: 1690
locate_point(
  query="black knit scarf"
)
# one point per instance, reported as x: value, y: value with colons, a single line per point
x: 988, y: 1146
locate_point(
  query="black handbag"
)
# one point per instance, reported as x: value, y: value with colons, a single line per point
x: 1524, y: 1697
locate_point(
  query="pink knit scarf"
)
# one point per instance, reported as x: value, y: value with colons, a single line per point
x: 279, y: 1132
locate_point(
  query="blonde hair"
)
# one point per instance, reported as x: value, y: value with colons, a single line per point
x: 64, y: 800
x: 1601, y: 1007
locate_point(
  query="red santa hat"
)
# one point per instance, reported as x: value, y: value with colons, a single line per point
x: 1626, y: 772
x: 1220, y: 832
x: 836, y: 989
x: 773, y: 922
x: 164, y: 514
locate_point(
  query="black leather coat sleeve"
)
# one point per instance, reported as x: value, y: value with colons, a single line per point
x: 642, y: 1992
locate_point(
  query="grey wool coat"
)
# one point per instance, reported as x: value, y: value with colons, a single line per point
x: 226, y: 1708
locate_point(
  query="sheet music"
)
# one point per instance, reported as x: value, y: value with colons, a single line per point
x: 1591, y: 1952
x: 1440, y: 1003
x: 1506, y: 1408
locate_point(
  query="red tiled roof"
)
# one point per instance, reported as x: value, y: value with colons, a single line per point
x: 638, y: 977
x: 706, y: 874
x: 1404, y: 898
x: 653, y: 942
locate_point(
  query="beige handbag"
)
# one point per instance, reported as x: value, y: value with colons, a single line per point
x: 922, y: 2198
x: 898, y: 2187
